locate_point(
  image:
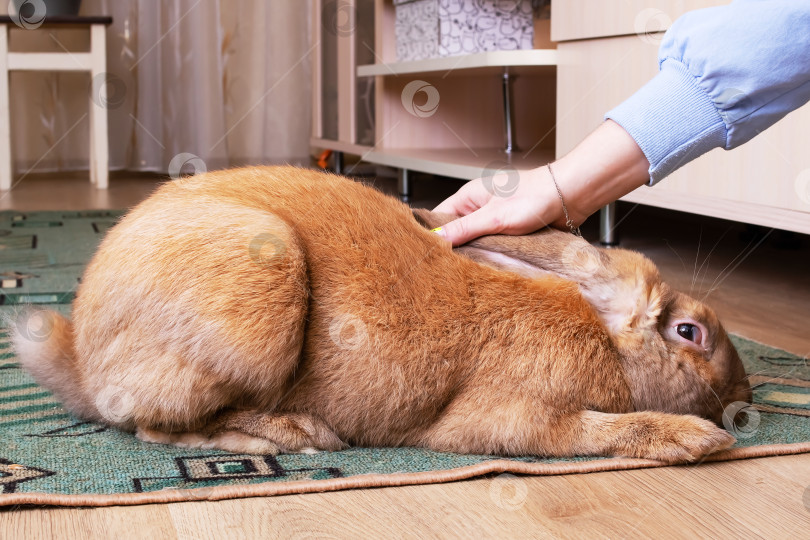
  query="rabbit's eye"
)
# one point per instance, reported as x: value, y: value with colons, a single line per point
x: 690, y: 332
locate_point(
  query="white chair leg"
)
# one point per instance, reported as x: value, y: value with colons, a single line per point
x: 5, y: 120
x: 99, y: 153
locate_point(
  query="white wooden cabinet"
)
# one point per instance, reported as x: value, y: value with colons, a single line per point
x: 602, y: 51
x: 602, y: 61
x: 463, y: 135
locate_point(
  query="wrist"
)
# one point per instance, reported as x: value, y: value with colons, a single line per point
x: 564, y: 216
x: 605, y: 166
x: 547, y: 207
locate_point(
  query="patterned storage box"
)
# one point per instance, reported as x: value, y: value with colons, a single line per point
x: 416, y: 28
x: 431, y: 28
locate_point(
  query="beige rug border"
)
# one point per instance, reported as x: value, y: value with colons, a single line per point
x: 382, y: 480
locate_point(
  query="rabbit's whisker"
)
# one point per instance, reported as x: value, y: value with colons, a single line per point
x: 764, y: 382
x: 753, y: 374
x: 697, y: 255
x: 708, y: 256
x: 724, y: 273
x: 720, y: 401
x: 683, y: 264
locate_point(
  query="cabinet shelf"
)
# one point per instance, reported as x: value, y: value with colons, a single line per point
x: 480, y: 63
x: 463, y: 163
x: 339, y: 146
x: 481, y: 110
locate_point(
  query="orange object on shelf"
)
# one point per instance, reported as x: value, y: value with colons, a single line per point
x: 323, y: 158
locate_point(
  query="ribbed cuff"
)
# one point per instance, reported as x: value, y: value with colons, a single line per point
x: 671, y: 119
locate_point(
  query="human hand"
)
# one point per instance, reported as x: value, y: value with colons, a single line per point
x: 492, y: 204
x: 606, y: 165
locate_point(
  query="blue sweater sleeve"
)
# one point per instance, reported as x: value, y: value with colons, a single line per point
x: 726, y: 74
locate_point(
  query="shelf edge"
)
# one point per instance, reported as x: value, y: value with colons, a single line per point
x: 739, y: 211
x: 427, y: 165
x: 523, y: 58
x: 339, y: 146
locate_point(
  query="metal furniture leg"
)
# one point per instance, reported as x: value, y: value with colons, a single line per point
x: 508, y: 118
x: 608, y: 236
x: 404, y: 185
x: 339, y: 167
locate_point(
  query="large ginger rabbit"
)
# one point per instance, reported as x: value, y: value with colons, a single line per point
x: 267, y: 310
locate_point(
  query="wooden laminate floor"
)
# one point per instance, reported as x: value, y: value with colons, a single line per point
x: 759, y: 286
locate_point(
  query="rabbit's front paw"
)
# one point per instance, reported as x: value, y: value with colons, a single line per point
x: 680, y: 439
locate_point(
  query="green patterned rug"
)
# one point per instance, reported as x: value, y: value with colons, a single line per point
x: 49, y: 457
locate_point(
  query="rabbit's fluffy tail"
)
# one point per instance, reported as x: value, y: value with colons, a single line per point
x: 43, y: 343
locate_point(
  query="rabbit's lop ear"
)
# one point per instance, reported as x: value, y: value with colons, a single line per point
x: 492, y: 258
x: 431, y: 220
x: 623, y: 286
x: 628, y: 294
x: 500, y: 261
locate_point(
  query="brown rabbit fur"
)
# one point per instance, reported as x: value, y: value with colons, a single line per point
x: 281, y: 309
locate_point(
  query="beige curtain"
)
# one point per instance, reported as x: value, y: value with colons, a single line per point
x: 225, y: 80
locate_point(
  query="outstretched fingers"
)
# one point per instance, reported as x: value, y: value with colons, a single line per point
x: 472, y: 196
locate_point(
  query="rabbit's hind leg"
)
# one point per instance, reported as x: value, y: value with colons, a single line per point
x: 230, y: 441
x: 218, y: 324
x: 254, y: 432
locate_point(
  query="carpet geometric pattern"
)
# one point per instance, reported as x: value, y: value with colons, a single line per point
x: 49, y: 457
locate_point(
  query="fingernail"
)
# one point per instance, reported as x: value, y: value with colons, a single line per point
x: 439, y: 231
